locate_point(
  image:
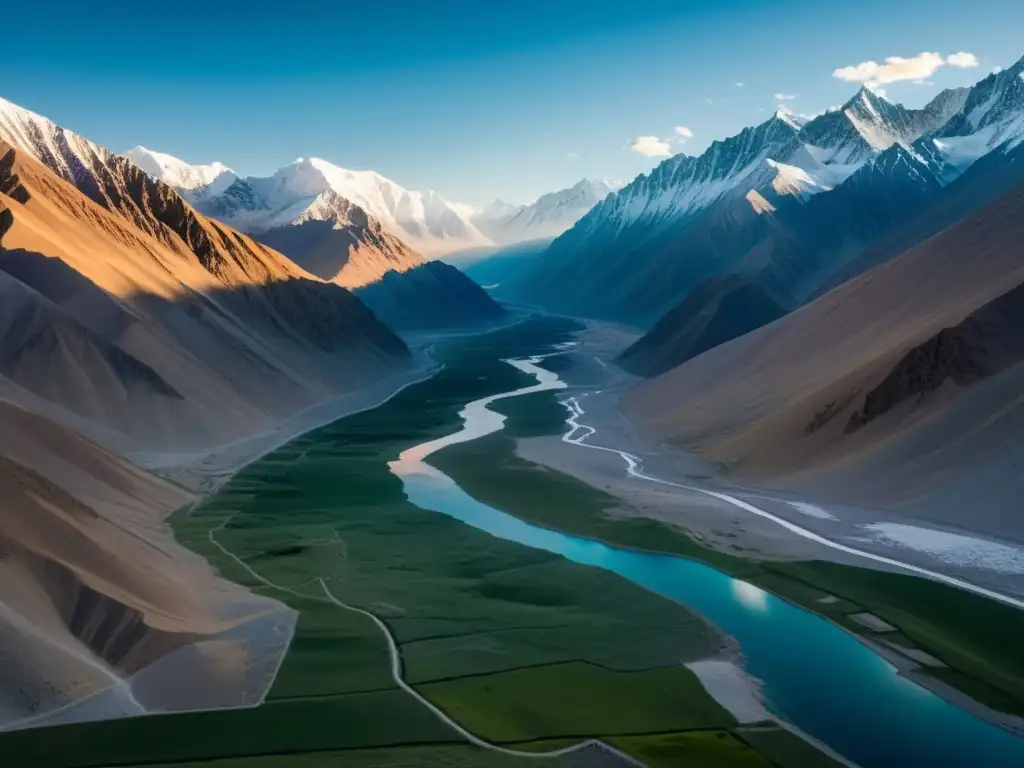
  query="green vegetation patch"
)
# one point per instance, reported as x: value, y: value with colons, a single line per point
x: 333, y: 652
x: 353, y: 721
x: 577, y: 700
x: 786, y: 749
x: 694, y: 749
x: 978, y: 638
x: 489, y: 470
x: 466, y: 756
x: 974, y: 636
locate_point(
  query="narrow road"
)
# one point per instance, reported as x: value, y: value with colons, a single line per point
x: 395, y: 654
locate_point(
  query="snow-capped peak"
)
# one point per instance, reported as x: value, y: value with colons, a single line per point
x: 790, y: 118
x: 547, y: 217
x: 424, y: 220
x: 991, y: 116
x: 63, y: 151
x: 179, y: 174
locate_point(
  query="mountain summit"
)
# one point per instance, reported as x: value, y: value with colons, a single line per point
x: 549, y: 216
x: 791, y: 196
x: 184, y: 177
x: 424, y: 221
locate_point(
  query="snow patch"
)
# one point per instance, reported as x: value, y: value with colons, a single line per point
x: 952, y: 548
x: 216, y: 177
x: 812, y: 510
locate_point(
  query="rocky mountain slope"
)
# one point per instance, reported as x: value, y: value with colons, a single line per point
x: 788, y: 201
x: 899, y: 387
x: 716, y: 311
x: 99, y: 607
x: 132, y: 325
x: 339, y: 242
x: 987, y: 342
x: 228, y: 324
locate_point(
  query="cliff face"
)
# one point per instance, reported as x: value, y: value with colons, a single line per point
x: 988, y: 341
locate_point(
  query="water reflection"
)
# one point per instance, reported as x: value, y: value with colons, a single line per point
x: 749, y: 595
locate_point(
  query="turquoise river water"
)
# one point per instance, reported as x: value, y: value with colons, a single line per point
x: 816, y: 675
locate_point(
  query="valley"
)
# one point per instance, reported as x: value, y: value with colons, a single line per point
x: 507, y: 640
x: 700, y: 444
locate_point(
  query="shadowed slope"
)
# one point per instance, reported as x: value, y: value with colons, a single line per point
x: 432, y: 295
x: 716, y: 311
x: 777, y: 400
x: 241, y: 334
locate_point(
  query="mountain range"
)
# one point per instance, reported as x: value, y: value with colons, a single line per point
x: 136, y: 328
x: 790, y: 202
x: 898, y: 389
x: 314, y: 189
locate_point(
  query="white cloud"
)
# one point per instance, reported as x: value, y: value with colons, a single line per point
x: 996, y: 70
x: 963, y: 60
x: 893, y: 70
x: 784, y: 96
x: 709, y: 101
x: 572, y: 155
x: 651, y: 146
x: 683, y: 132
x: 897, y: 68
x: 739, y: 85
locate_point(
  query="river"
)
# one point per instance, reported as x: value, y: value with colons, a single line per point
x: 816, y: 675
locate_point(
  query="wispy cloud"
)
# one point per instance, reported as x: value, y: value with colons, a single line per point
x: 963, y: 60
x: 784, y: 96
x: 739, y: 85
x: 683, y: 132
x: 651, y: 146
x: 898, y: 68
x: 709, y: 101
x: 572, y: 155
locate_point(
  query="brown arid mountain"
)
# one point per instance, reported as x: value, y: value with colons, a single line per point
x: 338, y: 241
x: 134, y: 326
x: 115, y: 275
x: 900, y: 387
x: 94, y: 591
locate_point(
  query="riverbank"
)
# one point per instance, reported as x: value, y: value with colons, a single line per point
x: 488, y: 469
x: 993, y: 565
x: 526, y: 650
x: 727, y: 528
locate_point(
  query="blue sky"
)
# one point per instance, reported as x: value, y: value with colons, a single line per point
x: 474, y: 99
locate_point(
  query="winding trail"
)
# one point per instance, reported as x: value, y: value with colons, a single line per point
x: 578, y: 435
x: 395, y: 654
